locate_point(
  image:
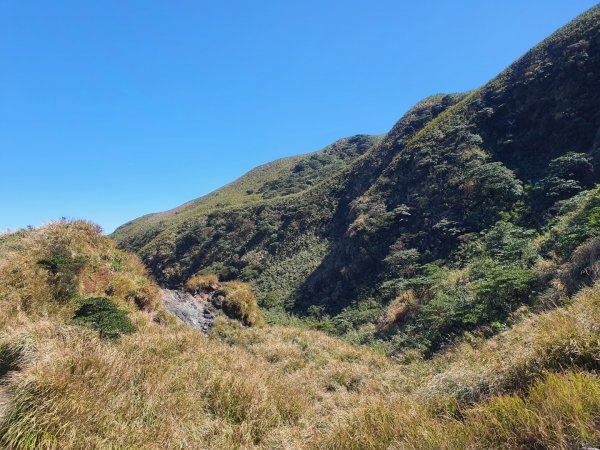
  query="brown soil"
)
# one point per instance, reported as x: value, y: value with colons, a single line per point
x: 4, y: 400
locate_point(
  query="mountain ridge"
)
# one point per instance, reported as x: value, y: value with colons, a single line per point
x: 436, y: 288
x: 449, y: 170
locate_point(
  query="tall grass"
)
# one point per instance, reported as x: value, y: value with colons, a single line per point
x: 559, y: 412
x: 169, y: 386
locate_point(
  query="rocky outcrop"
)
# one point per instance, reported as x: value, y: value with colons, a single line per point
x: 195, y: 311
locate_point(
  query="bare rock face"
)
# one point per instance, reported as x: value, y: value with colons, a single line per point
x: 196, y: 311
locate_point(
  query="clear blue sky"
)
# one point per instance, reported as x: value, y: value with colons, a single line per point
x: 114, y: 109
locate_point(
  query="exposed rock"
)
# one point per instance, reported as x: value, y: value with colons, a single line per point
x: 195, y: 311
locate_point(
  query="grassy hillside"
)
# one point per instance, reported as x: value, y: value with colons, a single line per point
x: 160, y: 384
x: 416, y: 225
x: 275, y: 179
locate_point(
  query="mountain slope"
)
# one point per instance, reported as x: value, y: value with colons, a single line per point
x: 409, y: 208
x: 162, y: 384
x: 276, y: 179
x: 276, y: 233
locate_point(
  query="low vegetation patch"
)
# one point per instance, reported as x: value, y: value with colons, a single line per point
x: 532, y: 385
x: 239, y: 302
x: 202, y: 283
x: 104, y: 316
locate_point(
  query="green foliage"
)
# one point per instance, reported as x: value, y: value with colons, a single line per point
x: 461, y: 304
x: 104, y: 316
x: 509, y: 244
x: 313, y: 168
x: 576, y: 226
x: 351, y: 318
x: 283, y: 273
x: 493, y: 181
x: 416, y: 211
x: 502, y: 289
x: 566, y: 176
x: 63, y: 272
x: 402, y: 262
x: 497, y: 278
x: 573, y: 166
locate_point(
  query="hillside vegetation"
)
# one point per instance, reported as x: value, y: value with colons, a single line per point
x: 159, y: 384
x: 276, y: 179
x: 411, y: 234
x: 434, y: 288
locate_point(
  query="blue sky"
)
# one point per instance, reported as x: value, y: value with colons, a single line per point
x: 114, y: 109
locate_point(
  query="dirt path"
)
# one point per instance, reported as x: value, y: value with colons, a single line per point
x: 4, y: 399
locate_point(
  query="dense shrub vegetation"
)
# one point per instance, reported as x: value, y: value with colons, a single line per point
x: 457, y: 257
x: 457, y: 207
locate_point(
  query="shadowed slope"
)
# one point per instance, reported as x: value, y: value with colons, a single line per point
x: 450, y: 169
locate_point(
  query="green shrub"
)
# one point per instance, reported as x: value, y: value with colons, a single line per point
x: 492, y: 180
x: 491, y: 277
x: 510, y: 244
x: 63, y: 273
x: 576, y: 226
x: 503, y: 288
x: 103, y: 315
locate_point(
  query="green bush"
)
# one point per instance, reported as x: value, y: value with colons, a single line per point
x: 103, y: 315
x: 575, y: 227
x: 503, y: 289
x: 63, y: 273
x: 496, y: 280
x: 510, y: 244
x: 492, y: 180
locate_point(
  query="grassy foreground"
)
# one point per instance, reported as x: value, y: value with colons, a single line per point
x: 159, y: 384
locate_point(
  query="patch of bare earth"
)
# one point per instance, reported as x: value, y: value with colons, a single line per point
x: 4, y: 400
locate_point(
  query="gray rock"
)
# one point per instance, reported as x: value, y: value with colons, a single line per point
x: 190, y: 310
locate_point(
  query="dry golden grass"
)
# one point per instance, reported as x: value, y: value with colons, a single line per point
x: 240, y: 302
x: 560, y: 412
x: 397, y: 310
x: 199, y: 283
x: 167, y: 386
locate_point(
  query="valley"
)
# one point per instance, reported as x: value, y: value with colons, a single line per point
x: 436, y: 287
